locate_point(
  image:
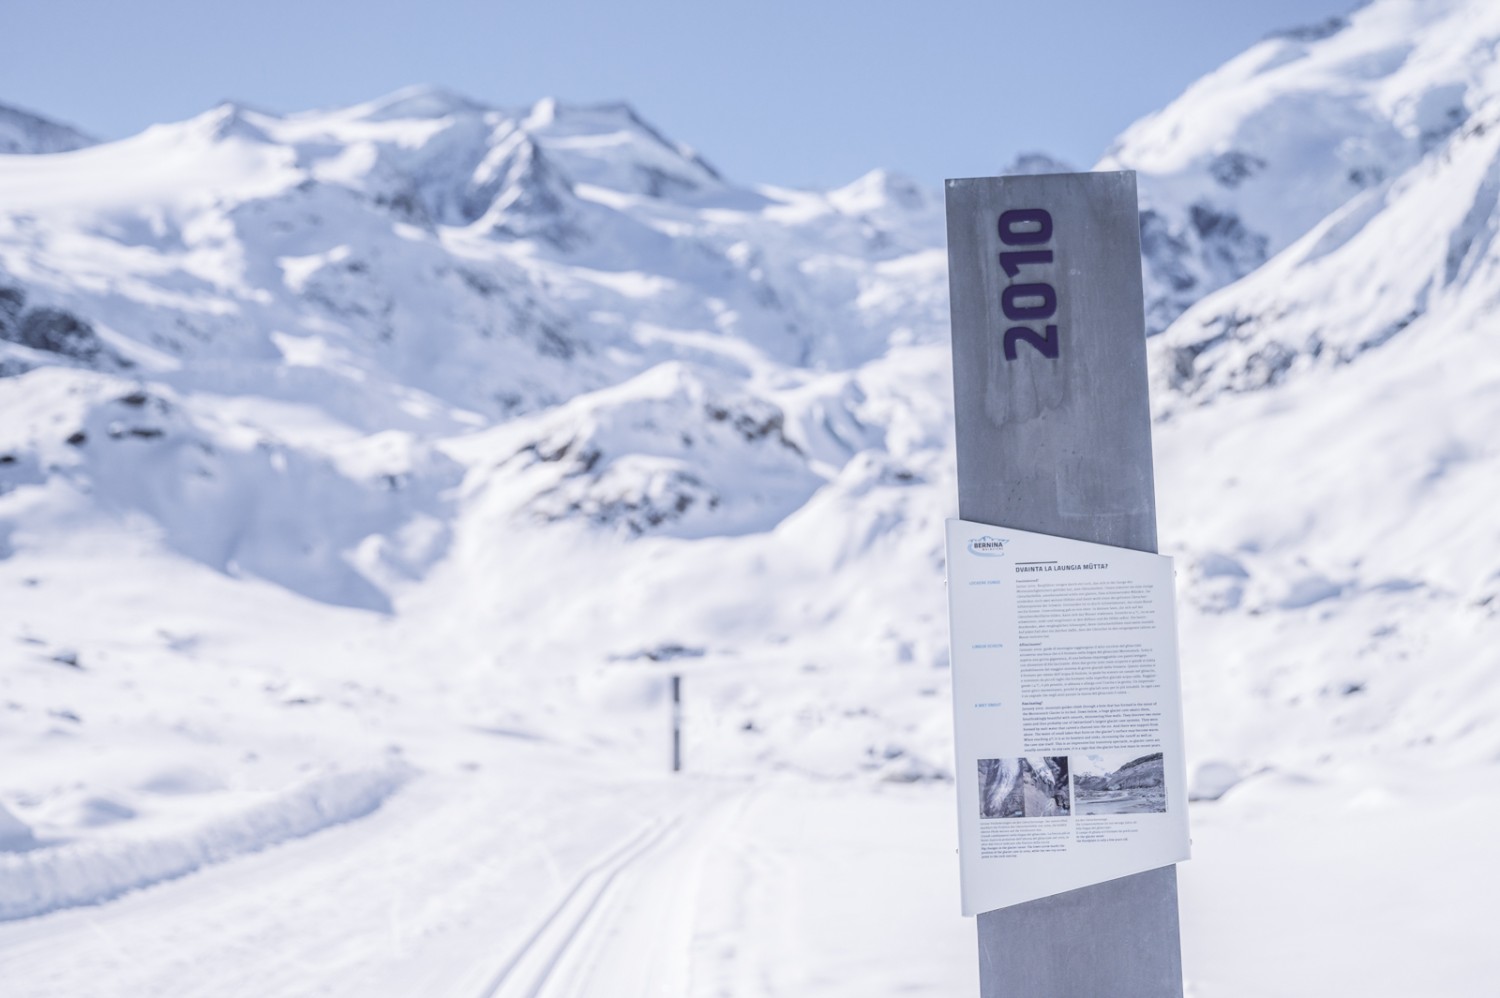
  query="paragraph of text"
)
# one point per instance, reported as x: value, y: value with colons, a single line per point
x: 1050, y: 727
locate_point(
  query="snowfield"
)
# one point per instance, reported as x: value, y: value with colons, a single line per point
x: 366, y: 474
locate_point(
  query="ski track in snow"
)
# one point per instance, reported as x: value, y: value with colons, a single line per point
x: 559, y: 949
x: 701, y: 891
x: 625, y: 928
x: 361, y: 906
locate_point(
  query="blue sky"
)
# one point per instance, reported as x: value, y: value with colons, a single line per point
x: 809, y: 93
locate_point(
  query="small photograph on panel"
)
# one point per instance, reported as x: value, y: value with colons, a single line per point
x: 1029, y: 787
x: 1119, y: 783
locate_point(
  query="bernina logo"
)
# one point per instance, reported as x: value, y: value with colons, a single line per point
x: 988, y: 547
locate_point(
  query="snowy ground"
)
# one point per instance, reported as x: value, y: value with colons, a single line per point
x: 349, y: 820
x: 535, y: 873
x: 1297, y: 888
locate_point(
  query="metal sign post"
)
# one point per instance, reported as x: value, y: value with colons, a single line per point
x: 676, y: 723
x: 1054, y: 436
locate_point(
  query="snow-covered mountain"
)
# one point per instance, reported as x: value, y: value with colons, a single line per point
x: 440, y: 376
x: 1259, y: 151
x: 360, y: 455
x: 22, y: 133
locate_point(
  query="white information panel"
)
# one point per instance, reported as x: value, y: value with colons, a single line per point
x: 1067, y: 712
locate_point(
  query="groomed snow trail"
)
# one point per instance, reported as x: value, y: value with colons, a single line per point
x: 543, y: 877
x: 780, y: 888
x: 627, y: 925
x: 414, y: 899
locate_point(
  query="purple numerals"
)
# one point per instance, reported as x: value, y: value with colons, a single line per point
x: 1034, y: 300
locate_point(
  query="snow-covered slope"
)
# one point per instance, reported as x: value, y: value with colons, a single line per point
x: 22, y: 132
x: 1417, y: 251
x: 1258, y: 152
x: 450, y: 375
x: 380, y: 451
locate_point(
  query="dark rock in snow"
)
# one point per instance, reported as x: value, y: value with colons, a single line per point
x: 1233, y: 168
x: 12, y: 301
x: 57, y: 331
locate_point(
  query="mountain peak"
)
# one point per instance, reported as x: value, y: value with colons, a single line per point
x: 423, y: 100
x: 1253, y: 155
x: 1033, y: 163
x: 877, y: 189
x: 543, y: 113
x: 233, y: 119
x: 609, y: 145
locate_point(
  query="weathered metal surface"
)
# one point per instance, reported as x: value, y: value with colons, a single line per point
x: 1060, y: 445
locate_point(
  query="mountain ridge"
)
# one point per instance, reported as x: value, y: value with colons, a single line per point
x: 25, y: 133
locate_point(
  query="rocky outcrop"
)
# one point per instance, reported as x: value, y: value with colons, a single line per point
x: 48, y: 329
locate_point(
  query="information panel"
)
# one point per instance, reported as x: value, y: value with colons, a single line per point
x: 1067, y: 713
